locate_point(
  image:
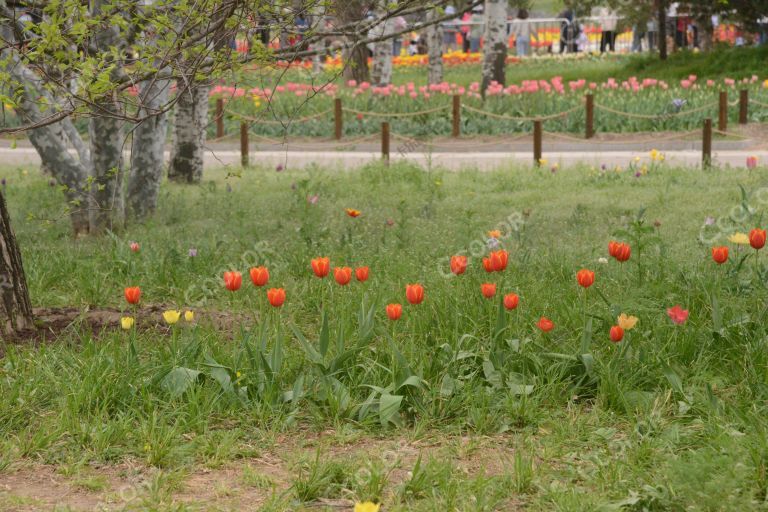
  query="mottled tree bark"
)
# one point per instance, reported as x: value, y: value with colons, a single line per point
x: 355, y: 57
x: 495, y: 49
x: 435, y: 49
x: 661, y: 10
x: 15, y: 306
x: 189, y: 134
x: 147, y: 151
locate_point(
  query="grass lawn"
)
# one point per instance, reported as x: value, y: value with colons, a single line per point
x: 459, y: 405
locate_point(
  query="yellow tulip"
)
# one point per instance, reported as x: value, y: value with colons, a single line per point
x: 127, y: 322
x: 171, y: 316
x: 739, y: 238
x: 367, y: 506
x: 626, y: 322
x: 189, y: 315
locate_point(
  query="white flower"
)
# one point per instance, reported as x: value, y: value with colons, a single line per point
x: 602, y: 260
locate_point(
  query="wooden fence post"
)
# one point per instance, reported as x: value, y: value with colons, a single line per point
x: 219, y: 118
x: 385, y: 142
x: 337, y: 118
x: 722, y: 119
x: 456, y: 115
x: 244, y: 144
x: 706, y: 144
x: 744, y: 106
x: 590, y: 116
x: 537, y: 142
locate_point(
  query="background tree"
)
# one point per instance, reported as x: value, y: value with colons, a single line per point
x: 15, y: 306
x: 495, y: 49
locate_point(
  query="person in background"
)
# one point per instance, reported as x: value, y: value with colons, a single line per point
x: 637, y: 37
x: 397, y: 42
x: 652, y: 33
x: 567, y: 36
x: 476, y: 29
x: 467, y: 18
x: 608, y: 22
x: 762, y: 30
x: 449, y: 30
x: 521, y: 29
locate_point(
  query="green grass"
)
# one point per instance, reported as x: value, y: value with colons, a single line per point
x: 457, y: 406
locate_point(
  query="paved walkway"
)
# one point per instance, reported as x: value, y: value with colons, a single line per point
x: 724, y: 154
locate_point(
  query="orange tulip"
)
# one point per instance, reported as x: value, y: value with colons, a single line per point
x: 511, y: 300
x: 499, y: 260
x: 233, y: 280
x: 585, y: 277
x: 488, y: 290
x: 321, y: 266
x: 545, y: 324
x: 361, y: 273
x: 276, y: 296
x: 612, y: 245
x: 720, y: 254
x: 757, y: 238
x: 414, y: 293
x: 352, y: 212
x: 616, y: 333
x: 458, y: 264
x: 622, y: 252
x: 394, y: 311
x: 133, y: 294
x: 343, y: 275
x: 487, y: 265
x: 259, y: 276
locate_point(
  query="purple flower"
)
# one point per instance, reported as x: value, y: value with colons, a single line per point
x: 638, y: 174
x: 192, y: 252
x: 678, y: 103
x: 602, y: 167
x: 709, y: 221
x: 279, y: 167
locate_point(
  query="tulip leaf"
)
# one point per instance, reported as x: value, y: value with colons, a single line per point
x: 178, y: 380
x: 586, y: 337
x: 673, y: 378
x: 717, y: 319
x: 501, y: 320
x: 389, y: 408
x: 325, y: 335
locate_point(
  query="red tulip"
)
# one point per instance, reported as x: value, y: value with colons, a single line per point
x: 133, y: 294
x: 585, y: 277
x: 487, y: 265
x: 134, y: 247
x: 361, y: 273
x: 276, y: 296
x: 394, y: 311
x: 720, y: 254
x: 622, y: 252
x: 612, y: 245
x: 343, y: 275
x: 259, y: 276
x: 233, y: 280
x: 414, y: 293
x: 458, y: 264
x: 616, y: 333
x: 488, y: 290
x: 321, y: 266
x: 511, y: 300
x: 677, y: 314
x: 757, y: 238
x: 545, y: 324
x: 499, y: 260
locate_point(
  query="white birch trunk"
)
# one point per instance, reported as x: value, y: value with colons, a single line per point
x: 147, y: 151
x: 495, y: 49
x: 190, y: 123
x: 381, y: 74
x: 435, y: 48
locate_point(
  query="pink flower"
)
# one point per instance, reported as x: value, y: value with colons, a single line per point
x: 677, y: 314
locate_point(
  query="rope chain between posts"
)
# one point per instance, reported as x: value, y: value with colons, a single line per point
x: 522, y: 118
x: 730, y: 134
x: 468, y: 145
x: 395, y: 115
x: 756, y: 102
x: 317, y: 145
x: 654, y: 116
x: 661, y: 138
x: 254, y: 120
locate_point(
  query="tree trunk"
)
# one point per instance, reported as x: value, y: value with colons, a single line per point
x: 15, y: 306
x: 189, y: 134
x: 495, y: 50
x: 382, y: 55
x: 662, y: 15
x: 147, y: 151
x: 355, y: 57
x: 435, y: 48
x: 106, y: 208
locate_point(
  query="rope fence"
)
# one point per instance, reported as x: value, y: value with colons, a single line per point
x: 589, y: 105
